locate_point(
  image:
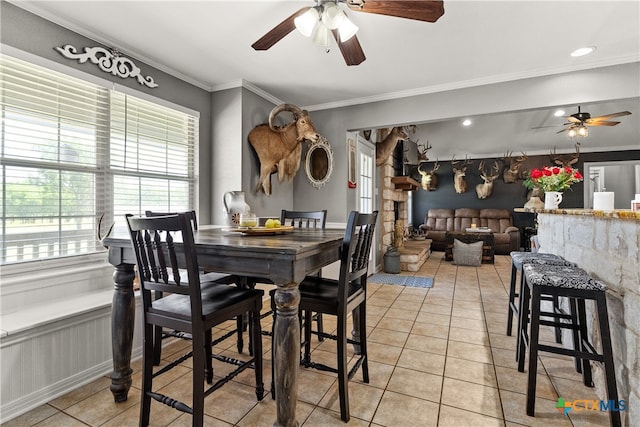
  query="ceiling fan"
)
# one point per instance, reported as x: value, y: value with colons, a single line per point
x: 577, y: 123
x: 323, y: 18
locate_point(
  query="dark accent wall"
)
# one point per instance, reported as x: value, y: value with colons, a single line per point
x: 504, y: 196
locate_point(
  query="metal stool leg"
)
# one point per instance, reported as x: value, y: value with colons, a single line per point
x: 512, y: 297
x: 533, y: 351
x: 607, y: 353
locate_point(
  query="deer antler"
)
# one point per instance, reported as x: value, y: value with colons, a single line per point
x: 99, y: 228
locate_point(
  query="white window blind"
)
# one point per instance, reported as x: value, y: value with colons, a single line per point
x: 72, y: 151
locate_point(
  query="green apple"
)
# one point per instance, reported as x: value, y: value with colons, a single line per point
x: 276, y: 223
x: 270, y: 223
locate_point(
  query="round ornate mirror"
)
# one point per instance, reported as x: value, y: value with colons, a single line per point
x: 319, y: 162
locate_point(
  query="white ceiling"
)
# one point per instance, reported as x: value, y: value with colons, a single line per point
x: 208, y: 43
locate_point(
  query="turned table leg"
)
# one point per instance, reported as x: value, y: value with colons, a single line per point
x: 122, y: 322
x: 286, y: 341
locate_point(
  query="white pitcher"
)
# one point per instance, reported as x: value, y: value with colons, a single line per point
x: 552, y: 199
x: 234, y: 206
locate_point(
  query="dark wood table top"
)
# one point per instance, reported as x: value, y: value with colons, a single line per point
x: 283, y: 258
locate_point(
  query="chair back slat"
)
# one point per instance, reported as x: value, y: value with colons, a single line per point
x: 356, y: 247
x: 154, y: 240
x: 304, y: 219
x: 190, y: 214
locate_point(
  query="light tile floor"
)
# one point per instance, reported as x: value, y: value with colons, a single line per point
x: 438, y: 356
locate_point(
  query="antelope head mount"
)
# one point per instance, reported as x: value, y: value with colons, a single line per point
x: 567, y: 160
x: 459, y: 172
x: 484, y: 190
x: 429, y: 180
x: 514, y: 170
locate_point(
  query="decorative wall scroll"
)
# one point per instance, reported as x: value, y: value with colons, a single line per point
x: 109, y: 61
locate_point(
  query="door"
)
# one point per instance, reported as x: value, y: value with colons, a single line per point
x: 367, y: 190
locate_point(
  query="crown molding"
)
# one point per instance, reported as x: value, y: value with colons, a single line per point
x: 501, y: 78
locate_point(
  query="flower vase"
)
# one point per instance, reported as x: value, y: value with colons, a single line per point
x: 552, y: 199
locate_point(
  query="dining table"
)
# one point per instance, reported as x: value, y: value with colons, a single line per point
x: 283, y: 258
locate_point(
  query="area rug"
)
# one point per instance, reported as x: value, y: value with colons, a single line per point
x: 399, y: 279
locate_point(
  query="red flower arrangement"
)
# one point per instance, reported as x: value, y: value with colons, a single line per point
x: 553, y: 178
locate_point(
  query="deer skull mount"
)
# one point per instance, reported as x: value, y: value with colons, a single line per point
x: 514, y: 169
x: 429, y: 180
x: 484, y: 190
x: 459, y: 173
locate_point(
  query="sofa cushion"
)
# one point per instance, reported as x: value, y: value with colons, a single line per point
x: 496, y: 219
x: 439, y: 219
x: 465, y: 217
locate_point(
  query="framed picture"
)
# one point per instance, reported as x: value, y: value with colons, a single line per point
x: 351, y: 156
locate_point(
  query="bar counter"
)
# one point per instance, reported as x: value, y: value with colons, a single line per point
x: 625, y: 214
x: 607, y: 245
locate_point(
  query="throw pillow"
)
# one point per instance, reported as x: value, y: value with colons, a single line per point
x: 467, y: 253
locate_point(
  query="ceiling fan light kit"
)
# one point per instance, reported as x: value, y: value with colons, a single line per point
x: 306, y: 22
x: 318, y: 21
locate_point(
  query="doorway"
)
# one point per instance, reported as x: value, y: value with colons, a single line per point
x: 367, y: 190
x: 620, y: 177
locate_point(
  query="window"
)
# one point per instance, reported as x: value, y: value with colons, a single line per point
x: 72, y: 151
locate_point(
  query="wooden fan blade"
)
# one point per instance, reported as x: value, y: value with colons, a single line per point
x: 572, y: 119
x: 420, y: 10
x: 610, y: 116
x: 278, y: 32
x: 351, y: 50
x: 600, y: 123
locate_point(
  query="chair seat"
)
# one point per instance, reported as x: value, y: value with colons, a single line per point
x: 562, y: 277
x: 326, y: 290
x: 215, y: 297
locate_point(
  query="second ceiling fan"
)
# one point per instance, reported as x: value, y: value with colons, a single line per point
x: 327, y: 17
x: 577, y: 123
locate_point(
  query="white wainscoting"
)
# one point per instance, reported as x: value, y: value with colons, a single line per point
x: 51, y: 347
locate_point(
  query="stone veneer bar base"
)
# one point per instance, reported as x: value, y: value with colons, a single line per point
x: 607, y: 245
x: 414, y: 254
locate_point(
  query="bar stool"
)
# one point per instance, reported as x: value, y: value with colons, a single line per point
x: 578, y: 286
x: 517, y: 259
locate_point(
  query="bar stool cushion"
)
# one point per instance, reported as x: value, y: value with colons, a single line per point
x: 517, y: 258
x: 561, y: 276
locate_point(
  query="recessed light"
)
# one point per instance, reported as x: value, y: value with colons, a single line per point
x: 583, y: 51
x: 559, y: 113
x: 466, y: 122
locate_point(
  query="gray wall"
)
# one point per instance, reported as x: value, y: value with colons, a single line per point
x: 30, y: 33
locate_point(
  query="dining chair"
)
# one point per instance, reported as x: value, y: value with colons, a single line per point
x: 207, y: 278
x: 339, y: 298
x: 299, y: 219
x: 163, y: 245
x: 307, y: 219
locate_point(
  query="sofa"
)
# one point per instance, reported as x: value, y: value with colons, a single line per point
x: 438, y: 221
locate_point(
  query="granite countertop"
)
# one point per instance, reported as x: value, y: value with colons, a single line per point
x: 626, y: 214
